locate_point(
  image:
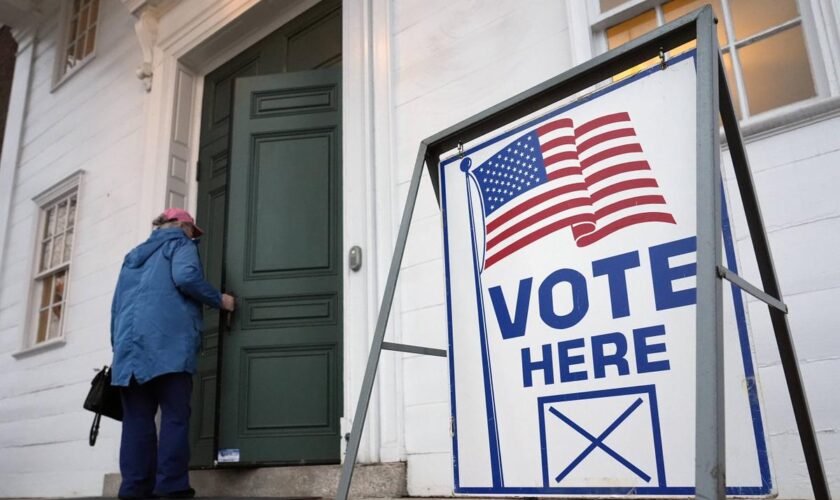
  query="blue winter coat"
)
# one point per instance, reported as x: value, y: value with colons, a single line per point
x: 156, y: 314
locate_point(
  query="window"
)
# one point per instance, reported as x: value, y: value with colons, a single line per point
x: 763, y: 44
x: 81, y: 18
x: 56, y: 231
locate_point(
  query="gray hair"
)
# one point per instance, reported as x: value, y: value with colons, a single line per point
x: 162, y: 222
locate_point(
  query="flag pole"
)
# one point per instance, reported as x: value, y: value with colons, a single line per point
x: 489, y: 401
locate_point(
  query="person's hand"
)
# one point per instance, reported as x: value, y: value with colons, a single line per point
x: 228, y: 302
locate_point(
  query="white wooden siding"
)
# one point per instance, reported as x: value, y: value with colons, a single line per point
x: 94, y: 121
x: 450, y: 59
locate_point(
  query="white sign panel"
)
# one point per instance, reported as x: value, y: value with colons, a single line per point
x: 570, y: 271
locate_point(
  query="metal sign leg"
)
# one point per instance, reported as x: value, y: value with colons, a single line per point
x: 770, y: 284
x: 710, y: 461
x: 379, y: 333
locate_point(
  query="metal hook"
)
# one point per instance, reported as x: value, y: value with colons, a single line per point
x: 460, y: 149
x: 662, y: 63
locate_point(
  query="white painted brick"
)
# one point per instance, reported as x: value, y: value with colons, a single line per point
x: 805, y: 257
x: 425, y: 242
x: 791, y: 473
x: 463, y: 39
x: 430, y: 474
x: 426, y: 205
x: 811, y: 140
x: 422, y: 286
x: 427, y: 428
x: 426, y: 380
x: 813, y: 325
x: 426, y: 327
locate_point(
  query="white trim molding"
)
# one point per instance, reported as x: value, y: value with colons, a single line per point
x: 62, y: 187
x: 15, y: 117
x: 194, y: 37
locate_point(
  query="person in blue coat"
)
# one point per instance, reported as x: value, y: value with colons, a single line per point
x: 156, y: 322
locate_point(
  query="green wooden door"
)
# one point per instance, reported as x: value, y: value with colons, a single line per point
x: 281, y: 356
x: 310, y: 41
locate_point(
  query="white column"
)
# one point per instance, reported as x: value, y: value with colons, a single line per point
x: 15, y: 119
x: 368, y: 220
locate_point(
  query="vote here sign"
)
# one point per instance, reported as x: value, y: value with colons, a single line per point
x: 570, y: 256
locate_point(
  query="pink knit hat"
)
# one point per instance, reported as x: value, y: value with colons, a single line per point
x: 181, y: 215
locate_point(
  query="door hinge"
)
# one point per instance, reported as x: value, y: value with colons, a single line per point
x: 197, y: 171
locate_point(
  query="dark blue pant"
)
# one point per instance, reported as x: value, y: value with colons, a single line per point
x: 148, y: 465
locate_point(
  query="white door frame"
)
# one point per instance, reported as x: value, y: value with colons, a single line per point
x: 194, y: 37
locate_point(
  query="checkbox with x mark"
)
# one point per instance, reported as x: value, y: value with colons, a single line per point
x: 613, y: 433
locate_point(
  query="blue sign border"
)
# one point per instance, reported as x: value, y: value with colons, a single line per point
x: 749, y: 370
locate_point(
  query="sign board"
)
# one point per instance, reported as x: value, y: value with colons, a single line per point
x: 570, y: 262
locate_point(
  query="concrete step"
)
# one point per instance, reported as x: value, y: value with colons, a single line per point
x: 386, y: 480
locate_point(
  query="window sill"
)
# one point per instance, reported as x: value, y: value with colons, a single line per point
x: 59, y: 81
x: 784, y: 119
x: 37, y: 348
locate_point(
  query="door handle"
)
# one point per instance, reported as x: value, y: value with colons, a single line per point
x: 228, y: 315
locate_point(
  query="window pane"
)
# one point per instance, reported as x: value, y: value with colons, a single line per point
x: 46, y: 248
x: 43, y: 319
x: 83, y: 19
x: 80, y: 49
x: 46, y: 292
x: 71, y: 214
x: 72, y: 30
x: 71, y: 58
x: 55, y: 321
x: 679, y: 8
x: 610, y: 4
x: 624, y: 32
x: 776, y: 71
x: 753, y: 16
x: 58, y: 288
x: 628, y: 30
x: 57, y: 251
x: 49, y: 223
x: 91, y: 39
x: 730, y: 80
x: 68, y: 245
x: 61, y: 220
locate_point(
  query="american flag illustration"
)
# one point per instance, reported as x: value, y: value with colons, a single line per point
x: 592, y: 178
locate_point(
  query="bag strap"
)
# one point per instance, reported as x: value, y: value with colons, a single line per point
x: 94, y: 429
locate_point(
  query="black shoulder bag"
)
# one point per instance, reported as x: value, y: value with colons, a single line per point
x: 103, y: 399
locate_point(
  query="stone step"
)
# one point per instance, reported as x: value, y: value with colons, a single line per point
x: 387, y: 480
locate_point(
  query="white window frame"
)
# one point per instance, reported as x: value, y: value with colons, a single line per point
x: 821, y: 42
x: 65, y: 12
x: 71, y: 185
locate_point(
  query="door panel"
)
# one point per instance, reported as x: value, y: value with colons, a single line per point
x: 310, y: 41
x: 281, y: 358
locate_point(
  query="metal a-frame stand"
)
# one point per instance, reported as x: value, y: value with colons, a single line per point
x: 712, y: 98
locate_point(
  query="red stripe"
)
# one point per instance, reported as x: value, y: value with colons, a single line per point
x: 621, y: 168
x: 609, y: 153
x: 535, y: 218
x: 563, y: 155
x: 557, y: 141
x: 622, y: 223
x: 606, y: 136
x: 623, y: 186
x: 600, y: 122
x: 536, y: 235
x: 548, y: 127
x: 532, y: 202
x: 563, y: 172
x: 628, y: 203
